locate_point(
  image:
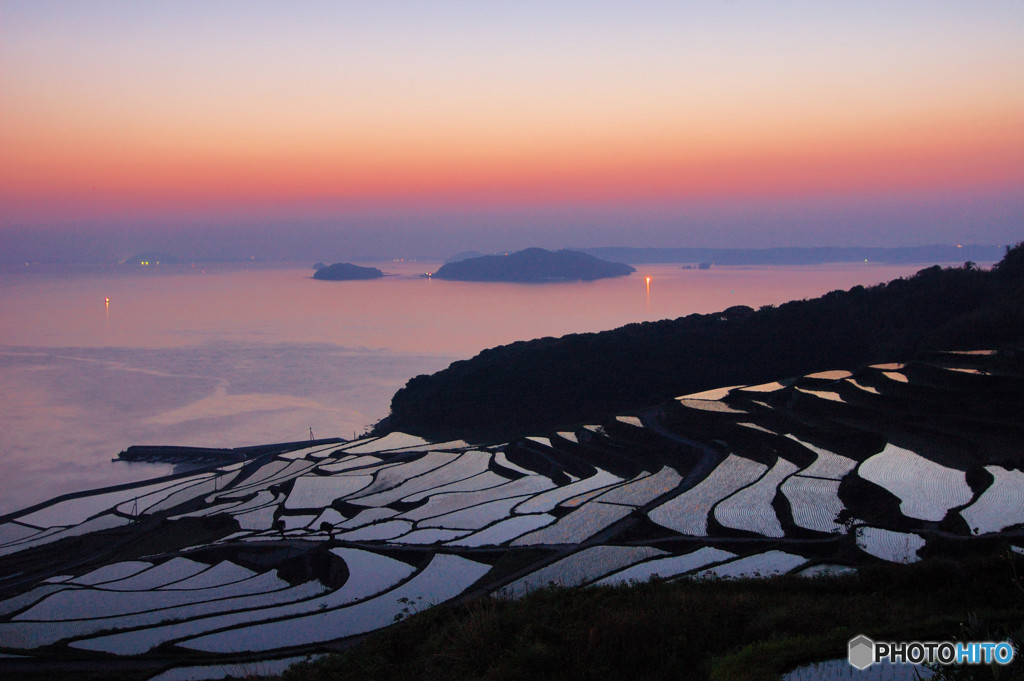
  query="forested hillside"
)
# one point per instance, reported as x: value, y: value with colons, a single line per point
x: 534, y: 385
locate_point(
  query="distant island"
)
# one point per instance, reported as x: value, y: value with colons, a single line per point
x: 344, y: 271
x: 152, y: 258
x: 533, y: 265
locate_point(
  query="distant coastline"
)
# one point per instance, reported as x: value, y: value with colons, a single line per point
x: 787, y: 255
x: 795, y: 255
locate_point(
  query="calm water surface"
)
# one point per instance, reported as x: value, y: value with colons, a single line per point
x: 231, y: 355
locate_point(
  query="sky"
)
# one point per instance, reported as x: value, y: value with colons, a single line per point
x: 356, y: 130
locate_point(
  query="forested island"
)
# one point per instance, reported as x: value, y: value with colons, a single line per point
x: 533, y: 265
x: 344, y: 271
x: 530, y: 386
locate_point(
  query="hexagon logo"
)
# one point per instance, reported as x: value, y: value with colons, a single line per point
x: 862, y: 652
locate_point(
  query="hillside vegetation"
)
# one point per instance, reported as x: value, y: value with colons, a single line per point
x: 536, y: 385
x: 692, y: 628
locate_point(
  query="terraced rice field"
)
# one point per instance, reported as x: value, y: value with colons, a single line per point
x: 318, y: 491
x: 760, y: 565
x: 644, y: 490
x: 750, y: 509
x: 505, y: 531
x: 927, y: 490
x: 826, y: 464
x: 890, y: 545
x: 669, y: 566
x: 1001, y: 505
x: 581, y: 524
x: 547, y: 501
x: 688, y: 512
x: 822, y: 394
x: 814, y: 503
x: 292, y: 551
x: 581, y: 567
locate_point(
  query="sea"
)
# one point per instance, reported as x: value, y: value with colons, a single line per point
x: 94, y: 359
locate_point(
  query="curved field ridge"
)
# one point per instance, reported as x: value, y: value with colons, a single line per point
x: 760, y: 565
x: 465, y: 466
x: 393, y: 476
x: 317, y: 491
x: 452, y: 502
x: 579, y: 568
x: 369, y: 574
x: 644, y: 490
x: 547, y: 501
x: 30, y: 634
x: 578, y: 526
x: 220, y: 574
x: 388, y: 442
x: 264, y: 668
x: 75, y: 511
x: 474, y: 517
x: 814, y: 503
x: 98, y: 603
x: 669, y: 566
x: 895, y: 547
x: 99, y: 523
x: 429, y: 536
x: 505, y: 530
x: 688, y: 512
x: 827, y: 464
x: 1001, y: 505
x: 12, y: 532
x: 111, y: 572
x: 750, y: 509
x: 927, y: 490
x: 445, y: 577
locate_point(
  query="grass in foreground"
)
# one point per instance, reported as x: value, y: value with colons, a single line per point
x: 694, y: 629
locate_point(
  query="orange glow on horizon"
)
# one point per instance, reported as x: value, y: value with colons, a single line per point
x: 165, y: 166
x: 158, y: 182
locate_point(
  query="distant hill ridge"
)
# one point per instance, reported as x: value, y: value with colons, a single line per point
x: 536, y: 385
x: 533, y: 265
x: 936, y: 253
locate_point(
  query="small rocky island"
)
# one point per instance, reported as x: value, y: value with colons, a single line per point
x: 533, y: 265
x: 344, y: 271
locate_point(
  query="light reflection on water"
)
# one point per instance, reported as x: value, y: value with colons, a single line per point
x: 232, y: 355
